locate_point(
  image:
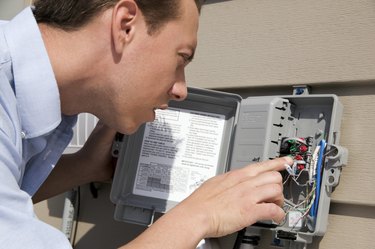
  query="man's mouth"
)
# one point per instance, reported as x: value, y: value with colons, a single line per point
x: 161, y: 107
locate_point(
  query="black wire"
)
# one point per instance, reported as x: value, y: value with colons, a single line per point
x: 93, y: 190
x: 240, y: 235
x: 77, y: 207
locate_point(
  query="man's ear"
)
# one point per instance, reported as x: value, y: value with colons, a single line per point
x: 123, y: 23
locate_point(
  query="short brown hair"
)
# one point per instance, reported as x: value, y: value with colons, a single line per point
x: 73, y: 14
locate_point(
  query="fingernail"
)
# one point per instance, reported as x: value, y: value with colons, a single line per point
x: 289, y: 159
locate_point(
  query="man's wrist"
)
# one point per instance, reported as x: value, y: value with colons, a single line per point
x: 194, y: 225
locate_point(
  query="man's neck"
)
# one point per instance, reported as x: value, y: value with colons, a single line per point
x: 78, y: 61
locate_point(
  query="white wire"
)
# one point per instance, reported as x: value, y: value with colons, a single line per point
x: 314, y: 162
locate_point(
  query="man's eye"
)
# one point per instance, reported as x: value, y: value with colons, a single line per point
x: 186, y: 58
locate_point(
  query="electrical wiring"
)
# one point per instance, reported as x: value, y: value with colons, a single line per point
x: 296, y: 207
x: 295, y: 179
x: 78, y: 207
x: 314, y: 209
x: 297, y: 139
x: 301, y: 181
x: 304, y: 214
x: 305, y: 172
x: 286, y: 180
x: 314, y: 161
x: 306, y: 200
x: 239, y: 238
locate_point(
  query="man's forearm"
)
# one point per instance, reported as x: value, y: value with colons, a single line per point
x: 177, y: 229
x: 67, y: 174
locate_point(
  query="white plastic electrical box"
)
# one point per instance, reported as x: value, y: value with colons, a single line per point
x: 212, y: 132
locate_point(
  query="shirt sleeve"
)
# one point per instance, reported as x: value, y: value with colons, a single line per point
x: 19, y: 226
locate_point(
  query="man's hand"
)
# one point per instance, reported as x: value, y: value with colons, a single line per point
x: 239, y: 198
x: 222, y: 205
x: 95, y: 156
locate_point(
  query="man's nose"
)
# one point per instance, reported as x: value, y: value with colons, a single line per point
x: 178, y: 91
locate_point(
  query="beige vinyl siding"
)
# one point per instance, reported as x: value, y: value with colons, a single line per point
x: 251, y: 42
x: 9, y: 8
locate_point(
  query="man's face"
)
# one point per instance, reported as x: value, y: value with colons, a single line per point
x: 152, y: 70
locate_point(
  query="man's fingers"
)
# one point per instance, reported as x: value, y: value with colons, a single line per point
x: 270, y: 177
x: 269, y: 211
x: 277, y: 164
x: 269, y: 193
x: 251, y: 173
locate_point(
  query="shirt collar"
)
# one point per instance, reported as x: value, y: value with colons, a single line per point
x: 35, y: 84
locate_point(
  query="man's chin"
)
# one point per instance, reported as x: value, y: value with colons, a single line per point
x: 133, y: 129
x: 129, y: 130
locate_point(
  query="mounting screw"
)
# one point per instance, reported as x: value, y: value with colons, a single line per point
x: 301, y: 90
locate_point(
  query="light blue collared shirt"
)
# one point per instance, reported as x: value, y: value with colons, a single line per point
x: 33, y: 133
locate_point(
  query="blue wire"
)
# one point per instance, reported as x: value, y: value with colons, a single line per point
x: 314, y: 208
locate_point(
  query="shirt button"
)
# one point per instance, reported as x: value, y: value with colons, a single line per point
x: 23, y: 134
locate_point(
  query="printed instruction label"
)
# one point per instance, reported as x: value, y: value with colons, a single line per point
x: 180, y: 150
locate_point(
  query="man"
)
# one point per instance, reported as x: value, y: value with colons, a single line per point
x: 119, y: 60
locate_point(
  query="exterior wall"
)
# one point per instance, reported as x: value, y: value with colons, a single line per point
x: 261, y: 43
x: 261, y: 48
x: 9, y: 8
